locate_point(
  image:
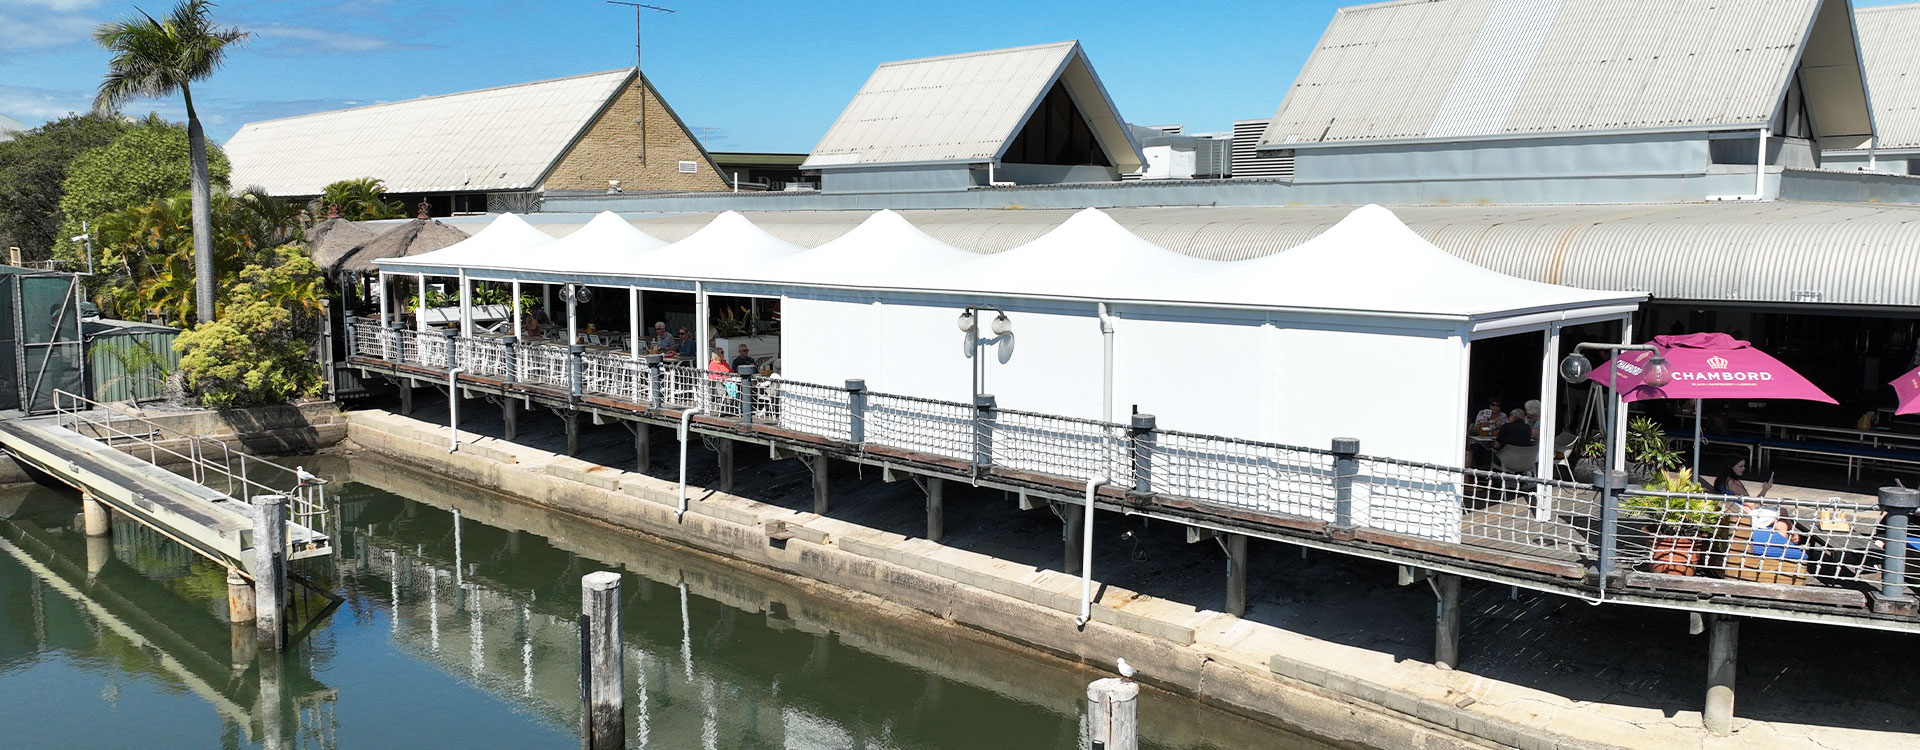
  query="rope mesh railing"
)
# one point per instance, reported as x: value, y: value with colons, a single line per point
x: 485, y: 357
x: 1779, y: 541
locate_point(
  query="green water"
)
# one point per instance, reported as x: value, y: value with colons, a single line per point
x: 457, y: 630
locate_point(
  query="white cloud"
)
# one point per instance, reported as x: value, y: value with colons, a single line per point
x: 58, y: 6
x: 308, y: 39
x: 37, y: 105
x: 31, y: 31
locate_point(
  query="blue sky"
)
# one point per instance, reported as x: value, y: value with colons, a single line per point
x: 748, y: 76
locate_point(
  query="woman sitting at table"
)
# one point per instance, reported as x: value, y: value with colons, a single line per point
x: 1772, y: 535
x: 529, y: 326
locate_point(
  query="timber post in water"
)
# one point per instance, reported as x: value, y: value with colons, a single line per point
x: 270, y: 570
x: 604, y: 672
x: 1113, y: 714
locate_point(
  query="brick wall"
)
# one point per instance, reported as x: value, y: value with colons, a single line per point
x: 610, y: 150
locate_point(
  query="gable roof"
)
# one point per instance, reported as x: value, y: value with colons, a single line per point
x: 1456, y: 69
x: 1888, y: 38
x: 967, y: 109
x: 504, y: 138
x: 9, y: 126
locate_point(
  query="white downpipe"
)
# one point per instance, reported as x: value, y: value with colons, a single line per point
x: 453, y: 409
x: 700, y: 311
x: 633, y: 319
x: 573, y: 321
x: 1086, y: 555
x: 384, y: 294
x: 1760, y: 169
x: 686, y: 418
x: 420, y: 303
x: 466, y: 305
x: 517, y: 333
x: 1106, y: 364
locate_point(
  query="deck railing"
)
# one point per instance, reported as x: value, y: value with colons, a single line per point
x: 1548, y: 520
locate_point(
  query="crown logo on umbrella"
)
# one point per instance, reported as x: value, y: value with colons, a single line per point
x: 1717, y: 363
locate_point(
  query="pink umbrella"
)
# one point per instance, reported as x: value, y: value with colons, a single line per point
x: 1907, y: 388
x: 1709, y: 365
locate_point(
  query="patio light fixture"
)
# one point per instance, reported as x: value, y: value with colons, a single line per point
x: 966, y: 320
x: 1575, y: 368
x: 1001, y: 325
x: 1659, y: 374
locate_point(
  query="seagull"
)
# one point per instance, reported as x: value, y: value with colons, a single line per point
x: 305, y: 477
x: 1126, y: 670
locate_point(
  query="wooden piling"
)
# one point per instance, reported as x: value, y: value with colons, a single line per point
x: 406, y: 397
x: 1446, y: 622
x: 820, y: 468
x: 572, y: 418
x: 240, y: 604
x: 642, y: 447
x: 1113, y: 714
x: 270, y: 570
x: 936, y: 509
x: 726, y: 465
x: 1236, y: 603
x: 606, y: 722
x: 510, y: 418
x: 1075, y: 520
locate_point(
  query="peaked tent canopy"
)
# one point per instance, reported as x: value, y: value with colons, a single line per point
x: 729, y: 247
x: 414, y: 237
x: 1088, y: 255
x: 605, y: 241
x: 507, y: 242
x: 885, y: 251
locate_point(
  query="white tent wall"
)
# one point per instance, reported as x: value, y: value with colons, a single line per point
x: 1051, y: 363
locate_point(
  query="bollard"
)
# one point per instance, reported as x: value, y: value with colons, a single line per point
x: 1113, y: 714
x: 97, y: 520
x: 1723, y: 649
x: 1893, y: 598
x: 654, y: 396
x: 270, y: 570
x: 239, y: 598
x: 512, y: 366
x: 856, y: 411
x: 1140, y: 437
x: 453, y: 340
x: 604, y: 672
x: 984, y: 414
x: 746, y: 393
x: 1610, y: 482
x: 574, y: 366
x: 1346, y: 466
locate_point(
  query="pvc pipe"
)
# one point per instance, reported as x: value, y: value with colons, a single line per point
x: 1086, y: 556
x: 633, y: 320
x: 573, y: 320
x: 384, y: 293
x: 453, y: 410
x: 1696, y: 440
x: 686, y: 418
x: 1106, y: 363
x: 466, y: 305
x: 517, y: 333
x: 420, y: 306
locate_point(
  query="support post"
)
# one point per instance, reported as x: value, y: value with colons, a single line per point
x: 1072, y: 527
x: 574, y: 368
x: 270, y: 570
x: 1893, y: 597
x: 95, y: 517
x: 1611, y: 482
x: 453, y: 359
x: 239, y: 598
x: 820, y: 466
x: 856, y: 411
x: 99, y: 553
x: 572, y: 419
x: 512, y: 349
x: 399, y: 342
x: 1140, y: 436
x: 606, y: 671
x: 726, y: 465
x: 936, y: 509
x: 406, y: 396
x: 353, y: 327
x: 1236, y: 603
x: 1113, y: 714
x: 1446, y: 621
x: 746, y: 393
x: 654, y: 396
x: 985, y: 411
x: 510, y: 416
x: 1723, y: 648
x: 1346, y: 466
x: 642, y: 447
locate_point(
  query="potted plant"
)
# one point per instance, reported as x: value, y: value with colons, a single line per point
x: 1648, y: 452
x: 1678, y: 516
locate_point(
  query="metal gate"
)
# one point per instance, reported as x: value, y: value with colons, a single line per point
x: 46, y: 349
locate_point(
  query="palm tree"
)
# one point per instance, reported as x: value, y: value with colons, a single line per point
x: 154, y: 58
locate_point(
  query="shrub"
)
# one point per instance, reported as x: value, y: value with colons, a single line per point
x: 254, y: 353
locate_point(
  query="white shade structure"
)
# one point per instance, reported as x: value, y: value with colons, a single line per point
x: 729, y: 247
x: 507, y: 242
x: 883, y: 252
x: 1088, y: 256
x: 607, y: 241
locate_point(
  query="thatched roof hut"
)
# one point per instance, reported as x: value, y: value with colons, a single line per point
x: 329, y: 242
x: 412, y: 238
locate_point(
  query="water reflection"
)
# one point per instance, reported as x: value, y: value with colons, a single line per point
x: 458, y: 628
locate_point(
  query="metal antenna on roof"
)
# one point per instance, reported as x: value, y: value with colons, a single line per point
x: 640, y: 78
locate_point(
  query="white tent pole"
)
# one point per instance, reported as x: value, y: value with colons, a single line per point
x: 633, y: 319
x: 573, y: 320
x: 1549, y: 419
x: 516, y: 310
x: 420, y: 306
x: 700, y: 343
x: 1618, y: 416
x: 466, y: 305
x: 546, y: 300
x: 384, y: 320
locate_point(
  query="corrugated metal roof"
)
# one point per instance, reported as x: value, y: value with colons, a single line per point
x: 9, y: 126
x: 965, y: 108
x: 493, y: 139
x: 1890, y: 43
x: 1448, y: 69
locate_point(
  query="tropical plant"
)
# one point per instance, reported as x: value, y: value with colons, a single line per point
x: 1646, y: 445
x: 253, y: 354
x: 150, y: 160
x: 734, y: 322
x: 33, y: 172
x: 359, y: 199
x: 152, y: 59
x: 1675, y: 502
x: 146, y: 253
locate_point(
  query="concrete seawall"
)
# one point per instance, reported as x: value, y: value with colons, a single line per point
x: 259, y: 430
x: 1345, y: 694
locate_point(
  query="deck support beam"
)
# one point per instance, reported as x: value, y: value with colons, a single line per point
x: 1074, y: 518
x: 1236, y: 603
x: 1723, y: 649
x: 1446, y: 621
x: 95, y: 516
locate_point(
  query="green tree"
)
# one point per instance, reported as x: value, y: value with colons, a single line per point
x: 153, y: 58
x: 33, y: 169
x: 359, y: 199
x: 147, y: 258
x: 148, y: 162
x: 252, y: 354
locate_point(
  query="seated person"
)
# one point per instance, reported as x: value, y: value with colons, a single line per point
x: 743, y: 360
x: 529, y: 326
x: 1492, y: 416
x: 1519, y: 439
x: 663, y: 339
x: 1772, y: 535
x: 686, y: 345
